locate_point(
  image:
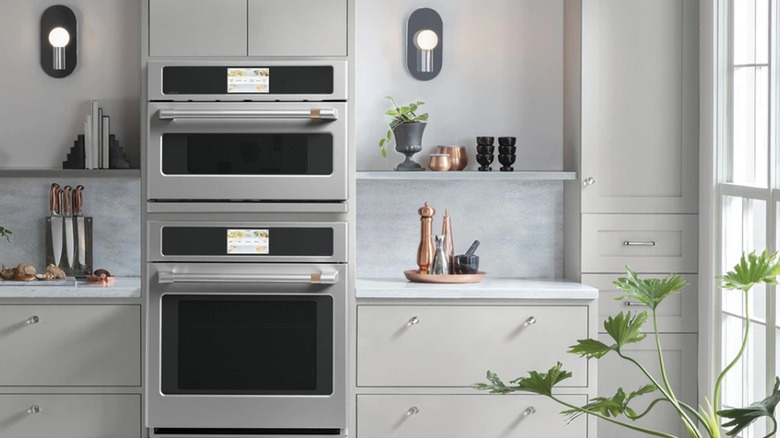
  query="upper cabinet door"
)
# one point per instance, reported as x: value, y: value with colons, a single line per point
x: 639, y: 106
x: 298, y: 28
x: 197, y: 27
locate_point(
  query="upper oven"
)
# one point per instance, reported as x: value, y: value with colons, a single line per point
x: 238, y: 131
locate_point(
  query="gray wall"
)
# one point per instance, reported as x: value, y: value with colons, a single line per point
x: 519, y: 225
x: 113, y: 203
x: 41, y: 116
x: 502, y: 75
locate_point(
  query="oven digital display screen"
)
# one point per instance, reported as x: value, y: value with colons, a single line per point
x: 247, y: 241
x: 248, y: 80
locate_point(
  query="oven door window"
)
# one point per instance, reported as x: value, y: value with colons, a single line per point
x: 247, y: 154
x: 264, y: 345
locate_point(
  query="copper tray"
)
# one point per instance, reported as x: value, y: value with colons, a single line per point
x: 414, y: 276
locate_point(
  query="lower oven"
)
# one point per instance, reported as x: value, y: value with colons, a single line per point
x: 247, y: 329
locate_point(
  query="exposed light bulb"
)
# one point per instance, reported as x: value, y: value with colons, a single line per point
x: 426, y: 39
x: 59, y: 37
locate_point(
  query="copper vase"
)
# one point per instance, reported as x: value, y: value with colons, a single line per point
x: 458, y: 158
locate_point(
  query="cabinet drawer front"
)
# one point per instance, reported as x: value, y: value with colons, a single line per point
x: 676, y: 314
x: 466, y: 416
x: 646, y: 242
x: 456, y: 345
x: 70, y: 416
x: 65, y: 345
x: 298, y: 28
x: 197, y: 27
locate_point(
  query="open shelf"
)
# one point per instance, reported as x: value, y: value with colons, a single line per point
x: 466, y: 175
x: 70, y: 173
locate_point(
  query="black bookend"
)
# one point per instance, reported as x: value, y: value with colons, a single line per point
x: 75, y: 158
x: 116, y: 155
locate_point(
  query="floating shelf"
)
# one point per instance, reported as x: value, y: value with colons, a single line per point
x: 468, y: 175
x: 70, y: 173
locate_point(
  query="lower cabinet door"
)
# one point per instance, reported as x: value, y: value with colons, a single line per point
x: 467, y: 416
x: 70, y: 416
x: 680, y: 357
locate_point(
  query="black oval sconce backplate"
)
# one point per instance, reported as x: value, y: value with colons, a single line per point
x: 54, y: 17
x: 424, y: 64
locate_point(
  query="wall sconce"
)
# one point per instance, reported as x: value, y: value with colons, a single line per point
x: 59, y: 41
x: 424, y: 44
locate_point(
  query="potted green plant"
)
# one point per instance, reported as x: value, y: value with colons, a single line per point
x: 5, y: 232
x: 407, y: 127
x: 626, y: 329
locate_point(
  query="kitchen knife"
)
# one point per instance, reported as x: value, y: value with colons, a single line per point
x: 56, y: 222
x: 68, y: 220
x: 78, y: 212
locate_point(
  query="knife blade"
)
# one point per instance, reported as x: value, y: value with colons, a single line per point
x: 56, y: 222
x: 68, y: 219
x: 78, y: 212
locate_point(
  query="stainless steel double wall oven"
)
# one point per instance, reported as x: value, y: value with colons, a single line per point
x: 246, y: 249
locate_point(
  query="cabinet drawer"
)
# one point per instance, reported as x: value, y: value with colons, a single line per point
x: 676, y: 314
x: 70, y: 416
x: 645, y: 242
x: 456, y: 345
x: 298, y: 28
x: 70, y: 345
x: 466, y: 416
x: 197, y: 27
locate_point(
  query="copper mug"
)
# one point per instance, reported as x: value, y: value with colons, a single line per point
x: 439, y: 162
x: 458, y: 158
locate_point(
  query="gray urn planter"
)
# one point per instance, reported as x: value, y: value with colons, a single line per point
x: 408, y: 141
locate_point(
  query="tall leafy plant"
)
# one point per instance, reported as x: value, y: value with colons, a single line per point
x: 626, y: 328
x: 399, y: 115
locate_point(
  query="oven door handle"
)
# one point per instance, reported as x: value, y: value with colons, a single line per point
x: 313, y: 278
x: 307, y: 114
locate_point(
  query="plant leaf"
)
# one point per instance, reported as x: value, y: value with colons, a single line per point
x: 589, y: 348
x: 382, y: 142
x: 391, y: 112
x: 625, y: 329
x: 752, y: 270
x: 744, y: 417
x: 384, y: 153
x: 650, y: 291
x: 422, y: 117
x: 537, y: 383
x: 613, y: 406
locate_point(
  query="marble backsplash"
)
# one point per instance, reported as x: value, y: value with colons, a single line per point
x: 519, y: 224
x: 114, y: 203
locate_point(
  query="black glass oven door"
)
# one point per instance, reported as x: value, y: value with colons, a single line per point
x: 247, y: 345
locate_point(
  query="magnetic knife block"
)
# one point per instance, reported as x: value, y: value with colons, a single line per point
x: 78, y: 270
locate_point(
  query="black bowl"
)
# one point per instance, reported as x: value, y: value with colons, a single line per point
x: 508, y: 150
x: 507, y: 141
x: 485, y: 149
x: 464, y: 264
x: 485, y: 140
x: 484, y: 159
x: 507, y: 160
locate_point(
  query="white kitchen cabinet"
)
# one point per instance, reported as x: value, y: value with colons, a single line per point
x: 197, y: 27
x: 418, y: 345
x: 240, y: 28
x: 647, y: 243
x: 467, y: 416
x: 639, y: 133
x: 70, y: 415
x: 70, y: 345
x: 298, y: 28
x: 680, y: 357
x: 676, y: 314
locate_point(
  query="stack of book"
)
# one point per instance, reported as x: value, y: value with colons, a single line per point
x: 96, y: 138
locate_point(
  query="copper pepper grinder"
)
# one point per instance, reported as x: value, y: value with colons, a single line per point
x: 449, y: 246
x: 425, y: 251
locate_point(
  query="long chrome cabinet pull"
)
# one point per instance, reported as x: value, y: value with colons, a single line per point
x: 315, y: 278
x: 309, y: 114
x: 638, y: 243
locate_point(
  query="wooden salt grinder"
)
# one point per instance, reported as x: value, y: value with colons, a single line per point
x: 425, y: 251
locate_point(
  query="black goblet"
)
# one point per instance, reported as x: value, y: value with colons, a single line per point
x: 507, y: 141
x: 485, y: 140
x: 485, y: 160
x: 485, y: 149
x: 507, y: 150
x: 507, y: 160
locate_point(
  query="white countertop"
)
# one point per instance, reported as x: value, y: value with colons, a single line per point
x: 123, y: 287
x: 489, y: 288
